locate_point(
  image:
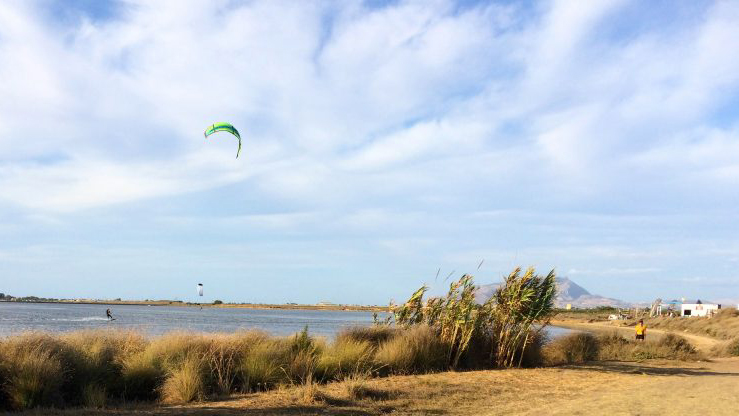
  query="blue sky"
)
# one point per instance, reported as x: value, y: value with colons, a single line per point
x: 383, y: 141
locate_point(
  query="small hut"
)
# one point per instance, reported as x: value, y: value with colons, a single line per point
x: 698, y: 308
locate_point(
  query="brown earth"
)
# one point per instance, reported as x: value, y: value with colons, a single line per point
x: 612, y: 388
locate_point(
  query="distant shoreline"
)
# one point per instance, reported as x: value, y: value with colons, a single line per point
x: 351, y: 308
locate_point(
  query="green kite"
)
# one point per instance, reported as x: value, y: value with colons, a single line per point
x: 227, y: 128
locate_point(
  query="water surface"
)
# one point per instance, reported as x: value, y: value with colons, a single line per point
x: 156, y: 320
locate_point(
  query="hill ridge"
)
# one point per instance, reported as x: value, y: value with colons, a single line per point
x: 568, y: 292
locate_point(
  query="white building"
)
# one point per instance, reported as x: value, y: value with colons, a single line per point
x: 699, y: 308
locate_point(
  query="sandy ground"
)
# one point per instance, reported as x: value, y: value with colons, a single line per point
x: 700, y: 342
x: 610, y: 388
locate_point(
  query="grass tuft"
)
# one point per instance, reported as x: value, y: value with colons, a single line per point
x: 185, y: 383
x: 578, y: 347
x: 262, y: 368
x: 415, y: 350
x: 94, y: 396
x: 345, y: 356
x: 34, y: 376
x: 374, y: 335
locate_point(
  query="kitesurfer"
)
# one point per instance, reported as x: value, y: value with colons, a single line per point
x: 107, y: 312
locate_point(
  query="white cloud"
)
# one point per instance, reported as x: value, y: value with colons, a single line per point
x: 397, y: 124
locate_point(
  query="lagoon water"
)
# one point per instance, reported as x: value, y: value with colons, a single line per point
x: 155, y: 320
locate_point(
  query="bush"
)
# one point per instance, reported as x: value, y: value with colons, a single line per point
x: 218, y: 302
x: 614, y: 347
x: 415, y: 350
x: 533, y: 355
x: 375, y: 335
x: 733, y: 347
x: 141, y: 377
x: 344, y: 357
x: 261, y: 369
x: 185, y: 383
x: 575, y: 348
x: 676, y: 344
x: 94, y: 396
x: 96, y: 358
x: 34, y: 376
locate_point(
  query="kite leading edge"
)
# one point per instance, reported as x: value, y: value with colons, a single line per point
x: 216, y: 127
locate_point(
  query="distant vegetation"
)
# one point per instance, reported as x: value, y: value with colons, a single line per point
x: 9, y: 298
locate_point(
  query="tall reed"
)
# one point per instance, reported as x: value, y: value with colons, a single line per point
x: 522, y: 302
x: 505, y: 326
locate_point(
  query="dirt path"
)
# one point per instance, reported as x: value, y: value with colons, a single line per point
x: 702, y: 343
x: 612, y: 388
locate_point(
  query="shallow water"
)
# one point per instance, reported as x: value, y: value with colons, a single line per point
x: 156, y: 320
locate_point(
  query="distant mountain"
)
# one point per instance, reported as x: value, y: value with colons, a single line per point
x: 567, y: 292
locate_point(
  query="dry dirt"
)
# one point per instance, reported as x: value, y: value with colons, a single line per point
x: 610, y: 388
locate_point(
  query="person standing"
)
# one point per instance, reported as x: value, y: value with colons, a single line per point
x: 107, y: 312
x: 641, y: 330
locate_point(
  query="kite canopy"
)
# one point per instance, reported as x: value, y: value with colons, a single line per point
x: 227, y: 128
x: 200, y: 289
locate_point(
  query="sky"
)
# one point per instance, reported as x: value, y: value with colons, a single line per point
x: 384, y: 142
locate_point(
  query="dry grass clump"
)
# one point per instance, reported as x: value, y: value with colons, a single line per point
x: 733, y: 347
x: 34, y: 376
x: 417, y: 349
x: 375, y: 335
x: 261, y: 368
x: 168, y: 352
x: 35, y: 366
x: 356, y: 388
x: 185, y: 383
x: 727, y: 348
x: 582, y: 347
x: 578, y: 347
x: 94, y: 361
x: 303, y: 355
x: 94, y: 396
x: 308, y: 392
x: 344, y: 357
x: 141, y: 376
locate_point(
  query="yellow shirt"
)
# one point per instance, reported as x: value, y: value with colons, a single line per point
x: 641, y: 329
